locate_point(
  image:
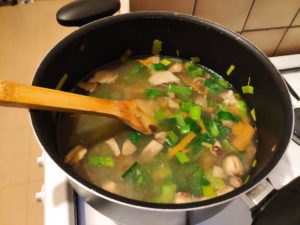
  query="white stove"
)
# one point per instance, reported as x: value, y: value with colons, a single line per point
x: 63, y: 206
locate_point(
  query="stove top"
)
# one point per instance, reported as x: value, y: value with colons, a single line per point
x: 63, y: 206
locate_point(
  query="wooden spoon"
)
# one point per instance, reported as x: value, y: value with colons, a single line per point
x: 136, y: 113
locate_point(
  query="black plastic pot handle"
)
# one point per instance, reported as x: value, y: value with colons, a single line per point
x: 80, y: 12
x: 280, y: 206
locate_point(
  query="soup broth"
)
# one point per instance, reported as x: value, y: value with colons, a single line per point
x: 203, y: 146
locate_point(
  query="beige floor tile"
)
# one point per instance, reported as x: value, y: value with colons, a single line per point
x: 13, y: 207
x: 14, y: 157
x: 34, y: 209
x: 13, y: 118
x: 36, y: 173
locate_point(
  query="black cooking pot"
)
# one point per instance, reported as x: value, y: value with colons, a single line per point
x: 103, y: 41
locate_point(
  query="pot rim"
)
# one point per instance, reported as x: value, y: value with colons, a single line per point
x: 186, y: 206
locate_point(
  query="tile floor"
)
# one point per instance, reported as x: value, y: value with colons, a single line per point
x: 27, y: 32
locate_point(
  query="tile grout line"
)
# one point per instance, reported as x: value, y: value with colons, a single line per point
x: 194, y: 7
x: 285, y: 32
x: 247, y: 17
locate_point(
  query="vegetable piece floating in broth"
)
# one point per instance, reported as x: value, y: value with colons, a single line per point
x: 200, y: 148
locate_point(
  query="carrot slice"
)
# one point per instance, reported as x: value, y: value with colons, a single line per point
x: 181, y: 145
x: 243, y: 134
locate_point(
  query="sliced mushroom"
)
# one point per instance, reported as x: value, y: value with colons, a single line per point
x: 161, y: 136
x: 150, y: 151
x: 201, y: 101
x: 218, y: 172
x: 182, y: 197
x: 229, y: 98
x: 228, y: 123
x: 104, y: 77
x: 224, y: 190
x: 128, y: 148
x: 110, y: 186
x: 173, y: 104
x: 171, y: 95
x: 176, y: 67
x: 88, y: 86
x: 233, y: 166
x: 217, y: 149
x: 75, y: 155
x: 235, y: 181
x: 113, y: 146
x: 163, y: 77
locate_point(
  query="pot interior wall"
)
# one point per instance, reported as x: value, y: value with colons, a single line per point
x: 104, y: 41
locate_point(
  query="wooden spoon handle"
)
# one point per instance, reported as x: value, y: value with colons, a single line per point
x: 33, y: 97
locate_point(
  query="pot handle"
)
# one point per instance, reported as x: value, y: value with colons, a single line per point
x: 80, y: 12
x: 276, y: 207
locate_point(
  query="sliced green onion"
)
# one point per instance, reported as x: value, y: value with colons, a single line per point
x: 254, y: 163
x: 177, y: 53
x: 126, y: 55
x: 208, y: 191
x: 61, y: 82
x: 159, y: 115
x: 167, y: 193
x: 222, y: 115
x: 172, y: 138
x: 219, y: 80
x: 134, y: 137
x: 195, y: 112
x: 159, y: 66
x: 185, y: 129
x: 215, y: 88
x: 206, y: 145
x: 180, y: 120
x: 230, y: 69
x: 130, y: 170
x: 243, y: 107
x: 247, y: 179
x: 105, y: 161
x: 178, y: 89
x: 228, y: 145
x: 185, y: 106
x: 166, y: 62
x: 182, y: 157
x: 194, y: 126
x: 212, y: 128
x: 210, y: 102
x: 195, y: 59
x: 248, y: 89
x: 156, y: 47
x: 194, y: 70
x: 204, y: 181
x: 253, y: 114
x: 152, y: 93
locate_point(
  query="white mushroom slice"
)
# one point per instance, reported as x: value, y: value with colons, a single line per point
x: 235, y: 181
x: 217, y: 149
x: 229, y: 98
x: 163, y: 77
x: 150, y: 151
x: 233, y: 166
x: 113, y: 146
x: 182, y: 197
x: 128, y: 148
x: 75, y: 155
x: 218, y: 172
x: 173, y: 104
x: 171, y: 94
x: 224, y: 190
x: 176, y: 67
x: 228, y: 123
x: 88, y: 86
x: 201, y: 101
x: 109, y: 186
x: 104, y: 77
x: 161, y: 136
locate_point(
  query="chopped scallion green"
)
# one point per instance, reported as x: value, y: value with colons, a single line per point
x: 253, y: 114
x: 195, y: 112
x: 105, y: 161
x: 130, y: 170
x: 61, y: 82
x: 159, y: 66
x: 230, y: 69
x: 222, y: 115
x: 172, y: 138
x: 152, y: 93
x: 195, y: 59
x: 206, y: 145
x: 193, y: 70
x: 166, y: 62
x: 248, y: 89
x: 179, y: 89
x: 185, y: 106
x: 182, y: 157
x: 156, y: 47
x: 134, y: 137
x: 208, y: 191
